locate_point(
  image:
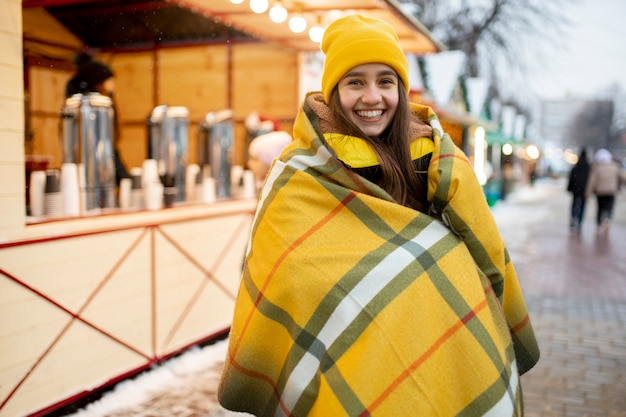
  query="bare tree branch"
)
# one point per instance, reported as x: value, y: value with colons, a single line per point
x: 504, y: 40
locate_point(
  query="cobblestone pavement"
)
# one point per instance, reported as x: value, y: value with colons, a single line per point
x: 575, y: 287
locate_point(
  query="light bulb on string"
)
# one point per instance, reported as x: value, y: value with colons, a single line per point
x: 236, y: 1
x: 278, y: 13
x: 297, y: 23
x: 259, y: 6
x: 316, y: 33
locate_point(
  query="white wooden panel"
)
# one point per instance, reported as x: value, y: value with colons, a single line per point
x: 28, y: 325
x: 68, y: 270
x: 12, y: 213
x: 177, y: 282
x: 123, y: 306
x: 112, y: 278
x: 228, y: 270
x: 74, y: 364
x: 211, y: 312
x: 205, y: 239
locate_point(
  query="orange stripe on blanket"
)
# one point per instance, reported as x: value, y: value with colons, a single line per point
x: 404, y: 375
x: 521, y: 325
x: 290, y: 249
x: 450, y: 155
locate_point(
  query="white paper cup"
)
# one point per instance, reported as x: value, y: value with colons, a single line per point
x: 70, y: 189
x: 190, y: 182
x: 208, y: 190
x: 125, y: 188
x: 249, y: 185
x: 36, y: 192
x: 149, y: 172
x: 154, y: 196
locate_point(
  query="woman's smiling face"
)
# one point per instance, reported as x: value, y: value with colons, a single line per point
x: 369, y: 96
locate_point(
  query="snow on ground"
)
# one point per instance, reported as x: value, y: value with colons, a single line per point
x: 185, y: 385
x: 182, y: 386
x: 527, y: 206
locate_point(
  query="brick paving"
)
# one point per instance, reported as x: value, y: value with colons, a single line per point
x: 575, y: 287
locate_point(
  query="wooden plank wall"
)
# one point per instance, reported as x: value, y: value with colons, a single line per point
x: 259, y: 77
x: 87, y: 310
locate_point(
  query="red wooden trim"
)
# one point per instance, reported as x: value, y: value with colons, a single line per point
x: 55, y: 3
x: 116, y: 229
x: 72, y: 399
x: 73, y: 316
x: 209, y: 275
x: 153, y: 291
x: 154, y: 357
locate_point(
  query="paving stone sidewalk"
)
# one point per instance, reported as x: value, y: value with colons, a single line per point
x: 575, y: 288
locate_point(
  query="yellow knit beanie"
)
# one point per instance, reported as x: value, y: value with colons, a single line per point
x: 355, y: 40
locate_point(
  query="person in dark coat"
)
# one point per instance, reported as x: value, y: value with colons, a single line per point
x: 93, y: 76
x: 577, y: 184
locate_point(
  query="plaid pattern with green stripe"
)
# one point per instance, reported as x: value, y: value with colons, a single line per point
x: 352, y: 305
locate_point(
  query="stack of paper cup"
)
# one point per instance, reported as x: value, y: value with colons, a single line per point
x: 70, y: 189
x: 151, y: 185
x: 154, y: 196
x: 52, y: 199
x: 208, y: 190
x: 249, y: 185
x: 136, y: 192
x: 82, y: 188
x: 190, y: 182
x: 236, y: 174
x: 149, y: 172
x: 36, y: 192
x: 125, y: 191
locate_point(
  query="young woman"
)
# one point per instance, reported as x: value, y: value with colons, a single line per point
x: 376, y: 282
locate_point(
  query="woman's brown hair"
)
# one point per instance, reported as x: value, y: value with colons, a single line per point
x: 392, y: 148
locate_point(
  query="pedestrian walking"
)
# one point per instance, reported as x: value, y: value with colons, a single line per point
x: 576, y: 185
x: 604, y: 181
x: 376, y: 281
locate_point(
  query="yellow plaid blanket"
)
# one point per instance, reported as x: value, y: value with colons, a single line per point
x: 352, y: 305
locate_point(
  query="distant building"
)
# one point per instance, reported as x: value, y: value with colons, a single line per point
x: 565, y: 126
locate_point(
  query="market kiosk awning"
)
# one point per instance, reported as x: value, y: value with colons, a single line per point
x: 149, y: 24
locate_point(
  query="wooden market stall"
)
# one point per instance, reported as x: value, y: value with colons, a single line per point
x: 96, y: 298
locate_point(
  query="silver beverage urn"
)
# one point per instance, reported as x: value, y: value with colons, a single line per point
x: 87, y: 124
x: 215, y: 147
x: 168, y: 139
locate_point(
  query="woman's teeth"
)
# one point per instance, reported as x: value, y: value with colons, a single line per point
x: 369, y: 114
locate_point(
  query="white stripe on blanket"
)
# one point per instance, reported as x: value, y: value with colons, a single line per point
x: 506, y: 405
x: 354, y: 302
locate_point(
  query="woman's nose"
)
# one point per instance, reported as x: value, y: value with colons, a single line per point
x: 371, y: 95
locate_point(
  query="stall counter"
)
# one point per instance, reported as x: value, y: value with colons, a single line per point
x: 95, y: 300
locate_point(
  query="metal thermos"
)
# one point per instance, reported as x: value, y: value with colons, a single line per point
x: 168, y: 138
x: 88, y: 142
x: 215, y: 144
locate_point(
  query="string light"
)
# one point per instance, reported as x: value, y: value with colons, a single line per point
x: 259, y: 6
x: 316, y: 33
x: 236, y: 1
x: 297, y: 23
x: 278, y: 13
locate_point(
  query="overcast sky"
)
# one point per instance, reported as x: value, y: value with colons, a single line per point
x: 594, y: 56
